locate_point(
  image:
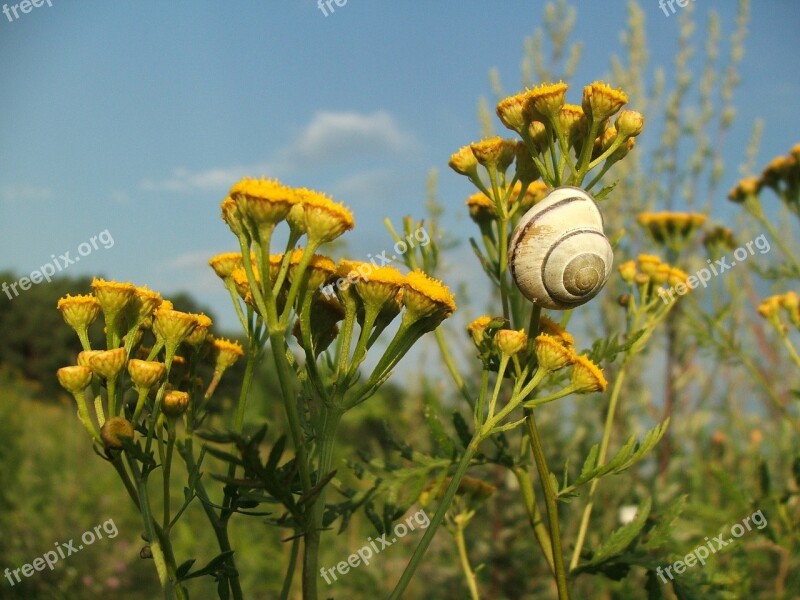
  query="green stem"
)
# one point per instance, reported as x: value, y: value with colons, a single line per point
x: 469, y: 574
x: 601, y: 458
x: 441, y: 510
x: 534, y: 515
x: 551, y: 503
x: 287, y: 579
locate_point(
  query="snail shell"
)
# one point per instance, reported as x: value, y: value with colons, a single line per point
x: 559, y: 256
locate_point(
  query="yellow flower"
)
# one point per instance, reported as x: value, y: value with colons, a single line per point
x: 224, y: 264
x: 172, y: 327
x: 380, y: 286
x: 200, y: 332
x: 318, y: 272
x: 264, y: 201
x: 112, y: 296
x: 551, y: 353
x: 719, y: 236
x: 671, y: 226
x: 427, y: 297
x: 630, y: 123
x: 325, y: 220
x: 108, y: 363
x: 770, y: 307
x: 79, y: 311
x: 534, y: 193
x: 232, y: 216
x: 85, y: 357
x: 648, y: 263
x: 550, y: 327
x: 74, y: 379
x: 539, y: 136
x: 494, y: 152
x: 481, y: 208
x: 587, y: 377
x: 511, y: 111
x: 544, y: 102
x: 678, y: 277
x: 603, y: 141
x: 477, y: 329
x: 749, y: 186
x: 227, y: 353
x: 601, y: 101
x: 114, y: 431
x: 464, y: 162
x: 175, y: 403
x: 661, y: 274
x: 510, y: 342
x: 145, y: 301
x: 573, y: 121
x: 627, y: 271
x: 145, y: 373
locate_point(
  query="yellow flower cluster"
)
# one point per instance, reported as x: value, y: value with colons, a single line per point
x: 671, y: 227
x: 482, y: 209
x: 648, y: 274
x: 782, y: 174
x: 788, y: 304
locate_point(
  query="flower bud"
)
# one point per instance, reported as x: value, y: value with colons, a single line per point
x: 627, y: 271
x: 79, y: 311
x: 510, y: 342
x: 175, y: 403
x: 630, y: 123
x: 551, y: 353
x: 464, y: 162
x: 108, y: 363
x: 145, y: 374
x: 114, y: 431
x: 74, y: 379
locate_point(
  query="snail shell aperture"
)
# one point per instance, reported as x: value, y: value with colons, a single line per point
x: 558, y: 254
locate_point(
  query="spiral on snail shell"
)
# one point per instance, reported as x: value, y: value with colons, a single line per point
x: 558, y: 254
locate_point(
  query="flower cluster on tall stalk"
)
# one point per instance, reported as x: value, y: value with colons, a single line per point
x: 527, y: 359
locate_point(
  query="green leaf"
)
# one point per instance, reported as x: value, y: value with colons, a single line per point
x: 607, y: 349
x: 603, y: 193
x: 462, y: 429
x: 443, y: 444
x: 623, y: 537
x: 184, y: 568
x: 662, y: 532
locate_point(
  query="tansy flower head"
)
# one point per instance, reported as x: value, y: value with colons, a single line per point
x: 511, y: 112
x: 145, y: 373
x: 227, y: 353
x: 544, y: 102
x: 427, y: 297
x: 172, y: 327
x: 381, y: 286
x: 114, y: 431
x: 175, y: 403
x: 661, y: 274
x: 481, y: 208
x: 325, y: 220
x: 770, y: 307
x: 145, y: 302
x: 200, y: 332
x: 494, y: 152
x: 719, y: 237
x: 573, y: 122
x: 550, y: 327
x: 319, y: 270
x: 648, y: 263
x: 325, y: 314
x: 463, y: 162
x: 477, y: 329
x: 630, y: 123
x: 85, y: 357
x: 108, y: 363
x: 538, y: 135
x: 264, y: 202
x: 677, y: 277
x: 749, y: 186
x: 242, y: 284
x: 627, y: 271
x: 587, y: 377
x: 551, y: 353
x: 225, y: 264
x: 601, y: 101
x: 232, y: 216
x: 671, y: 226
x: 79, y: 311
x: 510, y: 342
x: 474, y: 488
x: 112, y: 296
x: 74, y: 379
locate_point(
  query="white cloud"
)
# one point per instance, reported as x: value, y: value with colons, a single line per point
x: 25, y: 193
x: 189, y: 260
x: 331, y: 136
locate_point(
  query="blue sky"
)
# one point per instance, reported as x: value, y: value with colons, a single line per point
x: 137, y: 117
